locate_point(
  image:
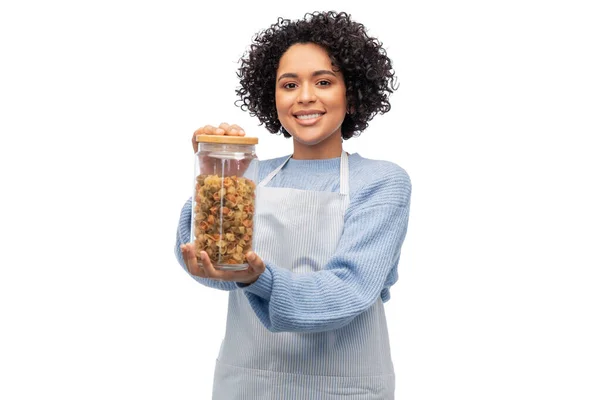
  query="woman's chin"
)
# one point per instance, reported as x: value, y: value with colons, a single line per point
x: 307, y: 141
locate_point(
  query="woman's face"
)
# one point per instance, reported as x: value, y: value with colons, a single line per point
x: 310, y: 96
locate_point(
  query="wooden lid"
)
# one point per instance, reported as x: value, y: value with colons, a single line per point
x: 226, y: 139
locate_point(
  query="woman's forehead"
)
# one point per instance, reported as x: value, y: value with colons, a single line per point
x: 304, y: 58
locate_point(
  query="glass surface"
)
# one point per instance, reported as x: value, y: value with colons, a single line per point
x: 223, y: 203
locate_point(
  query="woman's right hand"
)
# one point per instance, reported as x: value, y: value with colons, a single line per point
x: 223, y: 129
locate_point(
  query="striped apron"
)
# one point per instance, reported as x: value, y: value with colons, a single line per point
x: 299, y: 230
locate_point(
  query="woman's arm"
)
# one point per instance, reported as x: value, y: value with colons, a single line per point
x: 363, y: 265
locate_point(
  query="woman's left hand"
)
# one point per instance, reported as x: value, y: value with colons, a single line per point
x: 205, y: 269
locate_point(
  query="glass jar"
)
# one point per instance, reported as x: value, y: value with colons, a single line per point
x: 226, y: 169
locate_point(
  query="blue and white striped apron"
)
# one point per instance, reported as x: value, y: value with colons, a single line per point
x: 299, y: 230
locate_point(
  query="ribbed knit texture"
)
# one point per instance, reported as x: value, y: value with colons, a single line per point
x: 364, y: 265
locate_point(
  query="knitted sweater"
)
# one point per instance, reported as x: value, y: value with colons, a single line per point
x: 364, y: 265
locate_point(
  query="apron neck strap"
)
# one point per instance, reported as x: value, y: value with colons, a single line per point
x: 344, y: 174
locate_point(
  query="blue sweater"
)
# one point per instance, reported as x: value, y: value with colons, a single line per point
x: 364, y: 265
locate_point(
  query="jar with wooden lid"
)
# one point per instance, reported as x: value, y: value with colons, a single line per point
x: 226, y: 169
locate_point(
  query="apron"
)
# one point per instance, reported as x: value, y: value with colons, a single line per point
x: 299, y: 230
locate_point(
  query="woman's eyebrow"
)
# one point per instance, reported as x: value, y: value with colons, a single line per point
x: 316, y: 73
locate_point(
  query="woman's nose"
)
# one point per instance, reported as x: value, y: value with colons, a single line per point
x: 306, y: 94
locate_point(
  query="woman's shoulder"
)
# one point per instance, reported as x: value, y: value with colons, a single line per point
x: 368, y: 171
x: 381, y: 178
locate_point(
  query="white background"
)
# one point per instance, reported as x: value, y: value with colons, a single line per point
x: 498, y: 295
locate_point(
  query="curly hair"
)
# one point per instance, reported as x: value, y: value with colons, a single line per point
x: 362, y: 60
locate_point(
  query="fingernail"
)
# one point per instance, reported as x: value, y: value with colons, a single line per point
x: 251, y: 256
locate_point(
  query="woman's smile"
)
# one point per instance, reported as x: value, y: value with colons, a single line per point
x: 308, y: 118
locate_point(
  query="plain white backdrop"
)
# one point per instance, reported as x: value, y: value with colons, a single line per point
x: 494, y: 120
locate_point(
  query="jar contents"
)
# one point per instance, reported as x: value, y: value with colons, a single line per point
x: 224, y: 210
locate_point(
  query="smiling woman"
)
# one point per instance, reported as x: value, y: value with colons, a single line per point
x: 306, y: 319
x: 352, y: 54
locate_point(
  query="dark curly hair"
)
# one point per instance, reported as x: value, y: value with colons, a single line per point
x: 366, y: 68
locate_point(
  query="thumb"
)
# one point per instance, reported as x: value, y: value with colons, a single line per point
x: 194, y: 142
x: 255, y: 262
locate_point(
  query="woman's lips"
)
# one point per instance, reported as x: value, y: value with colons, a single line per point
x: 309, y: 119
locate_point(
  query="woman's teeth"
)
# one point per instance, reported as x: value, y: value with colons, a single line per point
x: 308, y: 116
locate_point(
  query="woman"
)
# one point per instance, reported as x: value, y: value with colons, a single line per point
x: 306, y: 320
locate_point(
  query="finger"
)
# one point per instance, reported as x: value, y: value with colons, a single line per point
x: 194, y: 142
x: 222, y: 129
x: 185, y: 256
x: 209, y: 130
x: 255, y: 263
x: 194, y: 267
x: 201, y: 270
x: 189, y: 258
x: 209, y: 269
x: 237, y: 129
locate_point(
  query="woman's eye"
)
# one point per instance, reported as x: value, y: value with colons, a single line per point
x: 289, y: 85
x: 323, y: 83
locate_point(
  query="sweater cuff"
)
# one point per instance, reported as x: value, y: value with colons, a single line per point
x: 263, y: 285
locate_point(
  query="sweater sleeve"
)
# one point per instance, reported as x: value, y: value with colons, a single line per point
x: 363, y: 264
x: 183, y: 237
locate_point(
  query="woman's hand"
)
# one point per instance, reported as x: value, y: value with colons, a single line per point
x: 206, y: 270
x: 226, y: 167
x: 223, y: 129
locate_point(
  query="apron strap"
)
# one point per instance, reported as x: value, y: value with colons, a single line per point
x: 344, y: 174
x: 268, y: 178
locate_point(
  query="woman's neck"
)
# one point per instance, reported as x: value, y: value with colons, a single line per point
x: 328, y: 148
